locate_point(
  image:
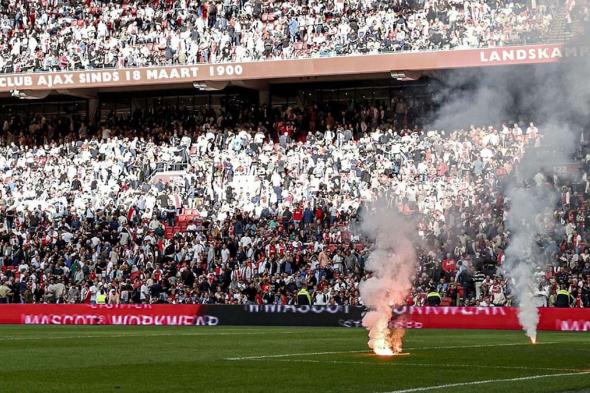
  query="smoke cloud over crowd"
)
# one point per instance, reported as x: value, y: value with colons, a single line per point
x: 557, y: 98
x: 392, y: 264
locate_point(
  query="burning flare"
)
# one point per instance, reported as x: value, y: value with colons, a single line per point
x: 392, y: 264
x: 533, y: 339
x: 381, y: 347
x: 390, y: 345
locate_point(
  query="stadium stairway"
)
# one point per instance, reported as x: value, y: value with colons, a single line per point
x: 558, y: 30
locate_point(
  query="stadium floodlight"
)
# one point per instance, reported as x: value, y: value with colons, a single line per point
x: 210, y: 86
x: 199, y: 85
x: 29, y: 94
x: 400, y: 76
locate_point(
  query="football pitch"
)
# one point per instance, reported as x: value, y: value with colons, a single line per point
x: 239, y: 359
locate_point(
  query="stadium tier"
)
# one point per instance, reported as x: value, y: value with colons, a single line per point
x: 220, y: 205
x: 67, y: 35
x: 68, y: 47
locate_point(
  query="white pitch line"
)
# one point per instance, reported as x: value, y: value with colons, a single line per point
x: 485, y: 345
x: 16, y: 338
x: 286, y: 355
x: 487, y: 381
x: 449, y: 365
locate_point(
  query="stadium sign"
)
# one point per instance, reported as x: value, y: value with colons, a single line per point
x: 573, y: 325
x: 201, y: 74
x: 279, y: 308
x: 561, y: 319
x: 511, y: 55
x: 427, y: 310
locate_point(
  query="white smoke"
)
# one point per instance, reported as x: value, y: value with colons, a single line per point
x: 392, y: 264
x: 560, y: 98
x: 528, y: 314
x: 557, y: 97
x: 525, y: 220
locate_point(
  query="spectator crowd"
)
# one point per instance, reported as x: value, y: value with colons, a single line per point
x: 67, y: 34
x: 94, y: 215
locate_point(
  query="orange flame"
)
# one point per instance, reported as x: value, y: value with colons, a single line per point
x: 389, y: 345
x: 533, y: 339
x: 382, y: 347
x: 396, y: 337
x: 383, y: 351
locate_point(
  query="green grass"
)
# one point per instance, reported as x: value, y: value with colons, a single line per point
x: 166, y: 359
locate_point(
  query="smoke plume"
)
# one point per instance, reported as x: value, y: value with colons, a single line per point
x: 557, y: 98
x: 392, y: 264
x: 526, y: 220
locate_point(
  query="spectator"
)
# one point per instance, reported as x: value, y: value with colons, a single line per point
x: 303, y: 297
x: 5, y: 291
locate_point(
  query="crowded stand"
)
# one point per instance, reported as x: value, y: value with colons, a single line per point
x: 66, y: 35
x: 207, y: 209
x: 577, y: 15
